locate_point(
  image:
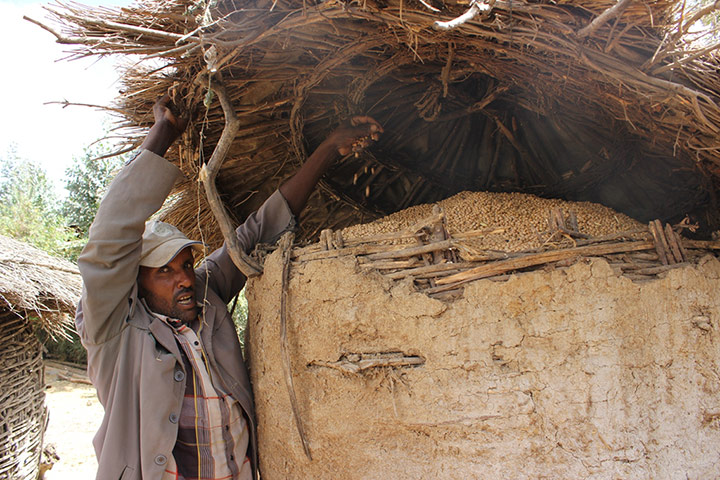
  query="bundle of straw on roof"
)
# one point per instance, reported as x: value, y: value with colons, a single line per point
x: 37, y: 285
x: 36, y: 291
x: 611, y: 102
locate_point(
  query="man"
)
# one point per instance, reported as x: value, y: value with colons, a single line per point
x: 162, y: 350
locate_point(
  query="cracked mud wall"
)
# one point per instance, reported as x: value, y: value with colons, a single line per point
x: 572, y: 373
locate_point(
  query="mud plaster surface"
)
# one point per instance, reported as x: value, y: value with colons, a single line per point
x: 574, y: 373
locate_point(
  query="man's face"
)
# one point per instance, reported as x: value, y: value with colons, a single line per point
x: 170, y: 290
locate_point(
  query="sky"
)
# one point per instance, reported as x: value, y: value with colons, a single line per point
x: 33, y: 76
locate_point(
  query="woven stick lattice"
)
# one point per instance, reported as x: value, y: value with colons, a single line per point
x: 22, y: 409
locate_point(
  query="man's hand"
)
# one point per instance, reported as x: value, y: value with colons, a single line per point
x: 349, y: 137
x: 167, y: 128
x: 356, y: 134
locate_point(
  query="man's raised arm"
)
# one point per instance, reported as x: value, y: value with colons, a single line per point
x: 278, y: 213
x: 109, y: 263
x: 358, y: 132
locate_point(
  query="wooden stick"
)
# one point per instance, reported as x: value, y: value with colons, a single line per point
x: 658, y: 269
x: 651, y: 257
x: 391, y: 265
x: 530, y: 260
x: 680, y: 245
x: 658, y: 243
x: 612, y: 236
x: 601, y: 19
x: 476, y: 8
x: 357, y: 366
x: 68, y: 378
x: 429, y: 269
x: 286, y: 242
x: 412, y: 251
x: 672, y: 241
x: 664, y: 241
x: 209, y: 171
x: 364, y: 249
x: 702, y: 244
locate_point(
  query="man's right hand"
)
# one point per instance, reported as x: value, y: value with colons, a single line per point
x: 167, y: 128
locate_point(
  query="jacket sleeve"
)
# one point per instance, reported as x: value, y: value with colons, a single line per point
x: 109, y: 263
x: 266, y: 225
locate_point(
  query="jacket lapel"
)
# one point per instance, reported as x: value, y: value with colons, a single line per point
x: 164, y: 336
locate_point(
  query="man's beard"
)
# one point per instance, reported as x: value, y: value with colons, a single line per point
x: 172, y: 310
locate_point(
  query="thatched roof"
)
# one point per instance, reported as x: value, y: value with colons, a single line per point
x: 612, y: 102
x: 37, y: 284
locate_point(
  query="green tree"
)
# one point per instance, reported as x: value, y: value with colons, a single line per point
x: 29, y: 207
x: 86, y: 181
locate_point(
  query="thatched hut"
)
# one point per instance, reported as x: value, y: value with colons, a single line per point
x: 426, y: 366
x: 37, y: 291
x: 604, y: 101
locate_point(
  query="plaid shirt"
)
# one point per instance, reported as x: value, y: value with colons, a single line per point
x: 212, y: 436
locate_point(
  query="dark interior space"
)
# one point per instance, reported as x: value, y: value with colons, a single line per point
x: 434, y: 147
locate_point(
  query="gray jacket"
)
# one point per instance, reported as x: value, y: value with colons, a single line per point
x: 133, y: 358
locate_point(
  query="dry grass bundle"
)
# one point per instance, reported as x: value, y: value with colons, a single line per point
x: 612, y: 102
x: 33, y: 283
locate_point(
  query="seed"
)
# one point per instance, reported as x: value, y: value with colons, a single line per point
x: 522, y: 217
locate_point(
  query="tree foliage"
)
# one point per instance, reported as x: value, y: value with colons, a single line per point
x: 29, y: 207
x: 86, y: 182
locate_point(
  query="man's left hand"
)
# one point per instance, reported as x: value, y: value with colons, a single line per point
x: 358, y: 133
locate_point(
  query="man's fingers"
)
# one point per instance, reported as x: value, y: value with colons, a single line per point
x: 368, y: 121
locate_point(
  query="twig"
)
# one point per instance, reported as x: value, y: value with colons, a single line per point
x: 357, y: 363
x: 661, y: 244
x: 476, y: 8
x: 61, y: 38
x: 689, y: 58
x: 286, y: 246
x: 601, y: 19
x: 115, y: 26
x: 66, y: 104
x: 209, y: 171
x: 697, y: 16
x: 504, y: 266
x: 68, y: 378
x: 669, y: 42
x: 429, y: 7
x: 412, y: 251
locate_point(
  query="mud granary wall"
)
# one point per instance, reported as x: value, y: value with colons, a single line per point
x: 572, y: 373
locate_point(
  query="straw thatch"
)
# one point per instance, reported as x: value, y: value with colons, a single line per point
x: 611, y: 102
x: 36, y: 291
x: 35, y: 284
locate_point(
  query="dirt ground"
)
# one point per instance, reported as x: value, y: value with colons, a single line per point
x: 74, y: 417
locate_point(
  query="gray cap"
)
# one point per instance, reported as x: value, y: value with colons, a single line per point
x: 161, y: 242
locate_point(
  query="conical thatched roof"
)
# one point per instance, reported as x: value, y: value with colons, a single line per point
x: 612, y: 102
x: 33, y: 282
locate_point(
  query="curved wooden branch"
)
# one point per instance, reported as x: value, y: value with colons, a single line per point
x: 207, y: 175
x: 603, y: 18
x: 476, y: 8
x: 286, y: 243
